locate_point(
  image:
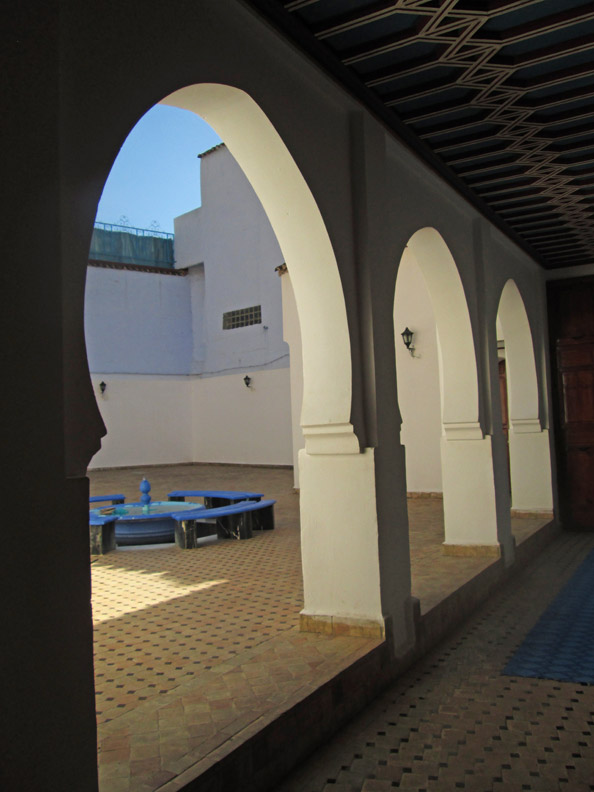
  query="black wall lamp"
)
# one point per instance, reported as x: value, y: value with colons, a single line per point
x: 248, y: 380
x: 407, y: 337
x: 102, y: 387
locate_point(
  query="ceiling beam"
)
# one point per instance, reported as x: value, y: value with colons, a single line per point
x: 538, y: 27
x: 341, y: 23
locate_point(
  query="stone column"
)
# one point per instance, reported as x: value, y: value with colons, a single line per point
x: 339, y: 535
x: 530, y: 462
x: 470, y: 508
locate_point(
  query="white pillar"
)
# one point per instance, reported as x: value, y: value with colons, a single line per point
x: 470, y: 507
x: 339, y: 535
x: 530, y: 463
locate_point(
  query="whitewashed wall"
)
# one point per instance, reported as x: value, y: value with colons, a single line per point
x: 230, y: 236
x: 233, y: 423
x: 418, y: 380
x: 137, y: 322
x: 149, y: 420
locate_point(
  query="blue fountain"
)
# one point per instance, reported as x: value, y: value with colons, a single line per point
x: 148, y: 521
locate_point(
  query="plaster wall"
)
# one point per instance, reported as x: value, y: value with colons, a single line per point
x: 149, y: 420
x: 419, y: 396
x: 484, y: 257
x: 230, y: 236
x: 137, y: 322
x: 161, y: 420
x: 233, y: 423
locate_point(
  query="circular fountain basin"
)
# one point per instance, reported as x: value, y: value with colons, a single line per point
x: 138, y: 524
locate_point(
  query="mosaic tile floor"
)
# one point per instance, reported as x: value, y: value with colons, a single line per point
x: 190, y: 647
x: 454, y: 721
x: 561, y: 644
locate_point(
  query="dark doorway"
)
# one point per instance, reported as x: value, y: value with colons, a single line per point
x: 571, y: 328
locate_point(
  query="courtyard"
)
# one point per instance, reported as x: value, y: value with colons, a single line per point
x: 195, y: 650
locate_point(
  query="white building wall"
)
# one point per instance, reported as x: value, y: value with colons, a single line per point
x: 231, y: 236
x: 137, y: 322
x: 237, y: 424
x: 148, y: 418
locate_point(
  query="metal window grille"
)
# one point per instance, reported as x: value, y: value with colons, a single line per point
x: 242, y: 317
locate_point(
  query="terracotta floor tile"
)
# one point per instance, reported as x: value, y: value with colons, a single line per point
x: 172, y: 625
x: 454, y: 721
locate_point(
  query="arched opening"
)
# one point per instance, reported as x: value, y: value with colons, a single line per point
x: 336, y: 480
x: 419, y: 388
x: 174, y: 322
x: 453, y: 445
x: 320, y: 308
x: 341, y: 587
x: 529, y: 455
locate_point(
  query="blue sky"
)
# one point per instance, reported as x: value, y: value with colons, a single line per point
x: 156, y: 175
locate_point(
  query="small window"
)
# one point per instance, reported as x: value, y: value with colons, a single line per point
x: 242, y: 317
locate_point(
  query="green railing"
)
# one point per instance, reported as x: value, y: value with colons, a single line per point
x: 128, y: 245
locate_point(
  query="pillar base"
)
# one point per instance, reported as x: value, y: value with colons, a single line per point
x: 533, y: 514
x: 472, y: 551
x: 340, y: 625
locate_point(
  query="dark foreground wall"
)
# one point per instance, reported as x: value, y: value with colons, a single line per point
x: 47, y: 702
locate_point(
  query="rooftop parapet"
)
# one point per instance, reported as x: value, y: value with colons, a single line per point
x: 128, y: 245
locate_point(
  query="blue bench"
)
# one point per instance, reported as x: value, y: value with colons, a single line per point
x: 102, y: 533
x: 236, y: 521
x: 113, y: 499
x: 214, y: 498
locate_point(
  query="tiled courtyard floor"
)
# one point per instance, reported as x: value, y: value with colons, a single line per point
x: 193, y: 646
x: 454, y: 722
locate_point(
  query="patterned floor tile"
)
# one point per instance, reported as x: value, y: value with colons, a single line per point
x: 193, y: 646
x: 455, y: 721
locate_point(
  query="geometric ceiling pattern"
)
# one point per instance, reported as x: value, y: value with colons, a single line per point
x: 498, y: 96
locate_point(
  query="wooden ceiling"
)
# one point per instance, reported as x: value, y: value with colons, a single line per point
x: 498, y: 96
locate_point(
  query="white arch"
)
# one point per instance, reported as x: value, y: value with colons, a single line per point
x: 459, y: 383
x: 302, y: 235
x: 469, y: 502
x: 529, y: 451
x: 522, y: 382
x: 341, y: 580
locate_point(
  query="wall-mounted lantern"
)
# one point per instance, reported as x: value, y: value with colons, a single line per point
x: 248, y: 380
x: 102, y: 387
x: 407, y: 337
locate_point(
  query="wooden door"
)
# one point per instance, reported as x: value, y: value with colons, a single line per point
x: 575, y: 366
x: 571, y: 320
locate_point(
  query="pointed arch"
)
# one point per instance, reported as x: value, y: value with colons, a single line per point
x: 459, y: 382
x: 342, y: 581
x: 529, y: 450
x: 466, y: 454
x: 522, y: 383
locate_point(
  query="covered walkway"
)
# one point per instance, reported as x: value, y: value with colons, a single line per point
x: 454, y: 721
x: 197, y: 651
